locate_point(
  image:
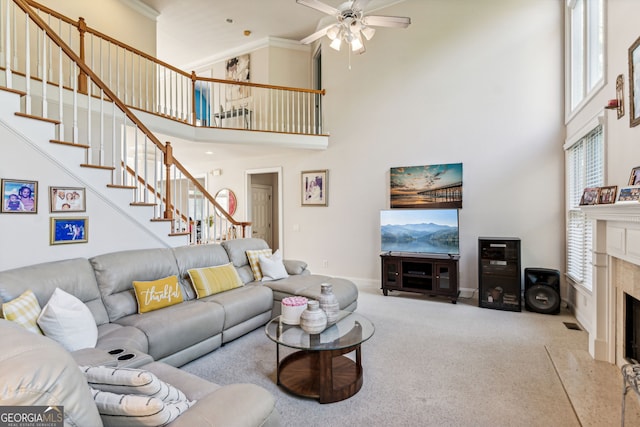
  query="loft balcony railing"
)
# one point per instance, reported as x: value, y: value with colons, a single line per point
x: 59, y: 86
x: 148, y: 84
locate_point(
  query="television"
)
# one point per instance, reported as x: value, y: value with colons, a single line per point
x: 428, y: 231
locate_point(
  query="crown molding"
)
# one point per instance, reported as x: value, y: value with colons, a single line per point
x: 142, y: 9
x: 246, y: 48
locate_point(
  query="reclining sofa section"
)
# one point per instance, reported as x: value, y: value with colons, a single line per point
x: 179, y: 333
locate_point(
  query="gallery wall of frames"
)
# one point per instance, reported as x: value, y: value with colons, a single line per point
x: 20, y: 197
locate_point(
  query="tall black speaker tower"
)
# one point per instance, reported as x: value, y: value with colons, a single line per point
x: 499, y: 273
x: 542, y: 290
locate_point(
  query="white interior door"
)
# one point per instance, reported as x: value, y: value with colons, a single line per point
x: 262, y: 212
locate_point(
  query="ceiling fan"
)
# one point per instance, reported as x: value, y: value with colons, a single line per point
x: 353, y: 23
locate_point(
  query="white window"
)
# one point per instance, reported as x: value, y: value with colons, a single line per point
x: 585, y: 168
x: 585, y: 33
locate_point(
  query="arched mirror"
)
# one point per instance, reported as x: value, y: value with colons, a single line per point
x: 227, y: 199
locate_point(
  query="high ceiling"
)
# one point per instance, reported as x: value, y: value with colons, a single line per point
x: 190, y: 31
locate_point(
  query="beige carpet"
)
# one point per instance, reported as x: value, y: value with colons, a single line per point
x: 433, y: 363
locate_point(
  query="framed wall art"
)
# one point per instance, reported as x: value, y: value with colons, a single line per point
x: 67, y: 199
x: 634, y: 178
x: 237, y: 69
x: 590, y: 196
x: 630, y: 194
x: 69, y: 230
x: 431, y: 186
x: 607, y: 195
x: 314, y: 188
x: 19, y: 196
x: 634, y: 83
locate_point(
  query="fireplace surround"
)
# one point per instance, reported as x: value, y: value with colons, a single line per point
x: 616, y: 274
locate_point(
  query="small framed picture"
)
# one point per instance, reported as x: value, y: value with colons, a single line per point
x: 634, y: 178
x: 590, y: 196
x: 314, y: 188
x: 19, y: 196
x: 66, y: 199
x: 69, y: 230
x: 607, y: 195
x: 629, y: 194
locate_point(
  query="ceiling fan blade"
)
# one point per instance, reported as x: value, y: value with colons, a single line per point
x: 387, y: 21
x: 359, y: 4
x: 315, y: 36
x: 318, y: 5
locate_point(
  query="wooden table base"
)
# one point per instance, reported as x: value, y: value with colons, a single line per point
x: 326, y: 375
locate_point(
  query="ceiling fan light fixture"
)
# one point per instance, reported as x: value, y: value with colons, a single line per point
x: 335, y: 44
x: 368, y: 32
x: 333, y: 32
x: 356, y: 43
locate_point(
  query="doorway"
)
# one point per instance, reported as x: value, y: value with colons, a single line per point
x: 264, y: 205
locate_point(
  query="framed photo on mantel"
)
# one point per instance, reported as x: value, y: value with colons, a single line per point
x: 607, y: 195
x: 630, y: 194
x: 590, y: 196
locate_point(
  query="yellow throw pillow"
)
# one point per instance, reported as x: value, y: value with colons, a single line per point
x: 23, y: 310
x: 157, y: 294
x: 253, y: 256
x: 212, y: 280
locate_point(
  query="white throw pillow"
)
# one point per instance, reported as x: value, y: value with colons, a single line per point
x: 272, y: 267
x: 68, y: 321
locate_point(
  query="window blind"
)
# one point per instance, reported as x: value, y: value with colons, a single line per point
x: 585, y: 169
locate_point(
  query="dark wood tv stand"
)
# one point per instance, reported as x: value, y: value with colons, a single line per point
x: 429, y: 274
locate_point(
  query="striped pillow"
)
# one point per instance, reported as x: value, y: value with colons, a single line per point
x: 23, y: 310
x: 126, y: 410
x: 212, y: 280
x: 254, y: 261
x: 131, y: 381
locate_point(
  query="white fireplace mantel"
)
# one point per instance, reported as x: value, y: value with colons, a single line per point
x: 616, y: 234
x: 622, y: 212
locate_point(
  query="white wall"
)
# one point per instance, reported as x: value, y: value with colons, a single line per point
x: 125, y: 20
x: 467, y: 82
x: 477, y: 83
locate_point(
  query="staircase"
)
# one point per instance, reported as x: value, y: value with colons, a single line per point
x: 80, y: 125
x: 67, y: 164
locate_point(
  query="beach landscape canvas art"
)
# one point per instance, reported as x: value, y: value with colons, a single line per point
x: 430, y: 186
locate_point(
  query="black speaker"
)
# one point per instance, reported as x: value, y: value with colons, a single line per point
x: 542, y: 290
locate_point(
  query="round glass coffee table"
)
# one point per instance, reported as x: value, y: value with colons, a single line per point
x: 321, y: 369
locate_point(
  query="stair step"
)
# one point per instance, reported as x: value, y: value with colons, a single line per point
x: 44, y: 119
x: 141, y: 204
x: 182, y: 233
x: 86, y: 165
x: 126, y: 187
x: 161, y: 220
x: 67, y: 143
x: 18, y: 92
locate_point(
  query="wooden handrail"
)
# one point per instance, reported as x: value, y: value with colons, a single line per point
x: 190, y: 115
x: 110, y: 39
x: 83, y: 27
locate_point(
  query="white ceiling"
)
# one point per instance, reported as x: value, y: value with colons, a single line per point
x: 191, y: 30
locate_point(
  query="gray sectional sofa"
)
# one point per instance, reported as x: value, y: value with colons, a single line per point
x: 167, y: 338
